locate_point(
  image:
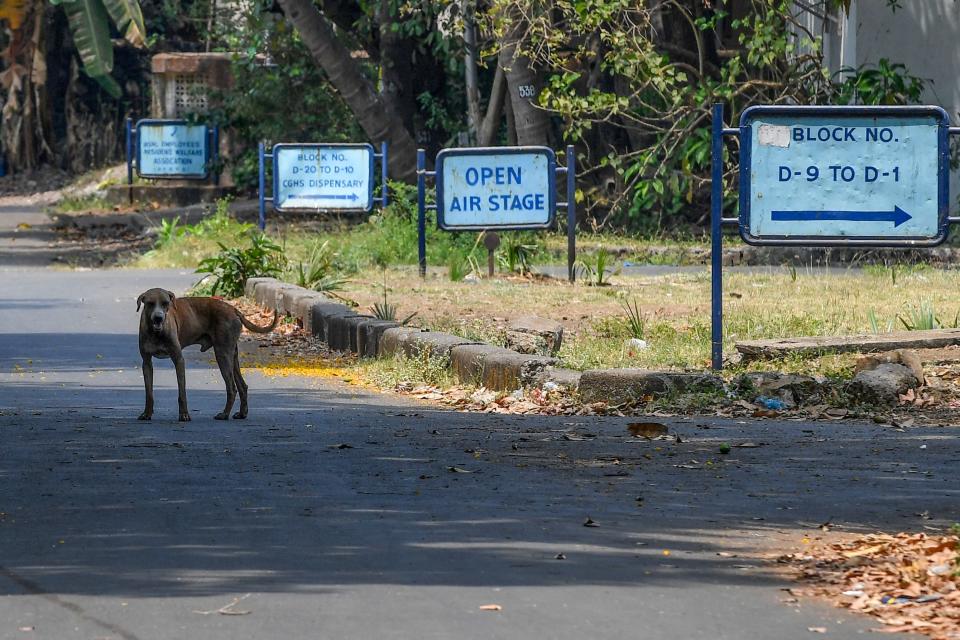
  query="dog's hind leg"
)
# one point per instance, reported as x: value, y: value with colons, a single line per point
x: 241, y: 386
x: 226, y: 363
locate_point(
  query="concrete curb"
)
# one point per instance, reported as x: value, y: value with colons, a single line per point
x: 496, y: 368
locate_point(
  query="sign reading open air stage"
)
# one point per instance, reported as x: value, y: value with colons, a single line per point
x: 496, y: 188
x: 172, y: 149
x: 843, y: 175
x: 323, y: 176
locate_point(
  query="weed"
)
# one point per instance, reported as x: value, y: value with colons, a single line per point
x: 169, y: 232
x: 386, y: 310
x: 75, y: 204
x: 597, y: 270
x: 319, y: 271
x: 517, y: 255
x: 636, y: 322
x: 232, y: 266
x: 424, y: 368
x: 921, y: 318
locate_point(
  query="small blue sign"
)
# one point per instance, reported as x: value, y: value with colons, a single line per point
x: 496, y: 188
x: 323, y: 176
x: 844, y: 175
x: 172, y: 149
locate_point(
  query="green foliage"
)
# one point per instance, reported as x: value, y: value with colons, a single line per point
x: 517, y: 253
x: 636, y: 321
x: 885, y: 83
x: 923, y: 317
x: 169, y: 232
x: 385, y: 310
x: 596, y: 268
x: 319, y: 271
x: 232, y: 266
x: 271, y: 66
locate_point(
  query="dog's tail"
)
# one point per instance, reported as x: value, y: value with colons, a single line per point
x: 252, y: 327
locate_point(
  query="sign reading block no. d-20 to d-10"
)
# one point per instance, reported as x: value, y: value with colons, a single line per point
x: 496, y: 188
x: 322, y: 176
x: 844, y: 175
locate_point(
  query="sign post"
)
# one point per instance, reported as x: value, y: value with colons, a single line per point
x: 832, y: 176
x: 171, y: 150
x: 496, y: 189
x: 322, y: 177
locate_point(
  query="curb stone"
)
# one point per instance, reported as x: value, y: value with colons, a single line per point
x: 495, y: 368
x: 619, y: 386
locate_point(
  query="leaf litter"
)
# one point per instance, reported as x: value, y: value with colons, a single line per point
x: 910, y: 582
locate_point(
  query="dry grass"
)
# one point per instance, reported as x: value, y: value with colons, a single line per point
x: 676, y: 309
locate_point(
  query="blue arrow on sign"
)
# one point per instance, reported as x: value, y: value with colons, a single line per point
x: 898, y: 216
x: 338, y: 196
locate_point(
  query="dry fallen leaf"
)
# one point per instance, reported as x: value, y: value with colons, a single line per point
x: 491, y: 607
x: 590, y: 523
x: 817, y: 629
x: 648, y: 430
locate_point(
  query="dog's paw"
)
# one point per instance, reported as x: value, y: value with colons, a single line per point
x: 222, y: 416
x: 184, y: 417
x: 239, y: 415
x: 144, y: 416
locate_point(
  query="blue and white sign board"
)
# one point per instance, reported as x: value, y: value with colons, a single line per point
x: 496, y: 188
x: 172, y: 149
x: 323, y: 176
x: 844, y: 175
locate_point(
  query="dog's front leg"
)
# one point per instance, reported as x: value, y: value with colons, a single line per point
x: 181, y: 386
x: 148, y: 388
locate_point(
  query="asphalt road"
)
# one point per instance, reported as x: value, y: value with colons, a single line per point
x: 114, y: 528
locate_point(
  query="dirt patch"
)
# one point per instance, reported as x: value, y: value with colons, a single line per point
x: 909, y: 581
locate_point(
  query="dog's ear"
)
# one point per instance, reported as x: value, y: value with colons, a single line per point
x: 140, y: 301
x: 170, y: 293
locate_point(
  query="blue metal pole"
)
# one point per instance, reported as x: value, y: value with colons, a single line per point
x: 263, y: 206
x: 129, y: 147
x: 216, y: 155
x: 422, y: 211
x: 384, y: 189
x: 716, y: 244
x: 571, y: 212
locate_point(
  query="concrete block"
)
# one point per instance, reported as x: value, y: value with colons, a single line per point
x: 303, y: 308
x: 353, y: 324
x: 251, y: 283
x: 566, y: 379
x: 391, y: 340
x: 434, y: 343
x: 287, y: 299
x: 619, y: 386
x: 319, y: 313
x: 496, y: 367
x: 337, y: 331
x: 369, y: 332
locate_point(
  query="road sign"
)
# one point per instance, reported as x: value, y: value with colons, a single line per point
x: 323, y: 176
x: 172, y: 149
x: 837, y: 176
x: 496, y: 188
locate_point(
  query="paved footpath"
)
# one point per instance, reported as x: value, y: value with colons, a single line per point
x: 114, y: 528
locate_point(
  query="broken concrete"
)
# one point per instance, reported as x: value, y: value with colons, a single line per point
x: 535, y: 335
x: 882, y: 385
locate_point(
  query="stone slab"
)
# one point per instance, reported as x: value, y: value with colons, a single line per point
x: 251, y: 283
x: 863, y: 343
x: 369, y: 333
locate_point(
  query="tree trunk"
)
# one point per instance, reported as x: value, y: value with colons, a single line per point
x: 491, y: 121
x: 396, y: 68
x: 346, y: 75
x: 532, y: 123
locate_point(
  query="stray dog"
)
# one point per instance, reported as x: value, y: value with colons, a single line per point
x: 168, y: 324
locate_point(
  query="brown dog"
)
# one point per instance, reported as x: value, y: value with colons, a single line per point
x: 168, y: 324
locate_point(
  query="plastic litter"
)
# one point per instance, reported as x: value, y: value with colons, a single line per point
x: 774, y: 404
x: 637, y: 343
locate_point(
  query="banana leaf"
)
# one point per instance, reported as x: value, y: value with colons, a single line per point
x: 90, y: 27
x: 109, y: 85
x: 129, y: 20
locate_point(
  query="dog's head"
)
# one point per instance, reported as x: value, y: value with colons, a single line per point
x: 156, y: 303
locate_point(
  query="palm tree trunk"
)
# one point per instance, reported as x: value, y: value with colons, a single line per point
x: 345, y: 74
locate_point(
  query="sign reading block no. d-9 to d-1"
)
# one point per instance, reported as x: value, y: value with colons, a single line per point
x: 172, y: 149
x: 836, y: 176
x: 322, y: 176
x: 496, y: 188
